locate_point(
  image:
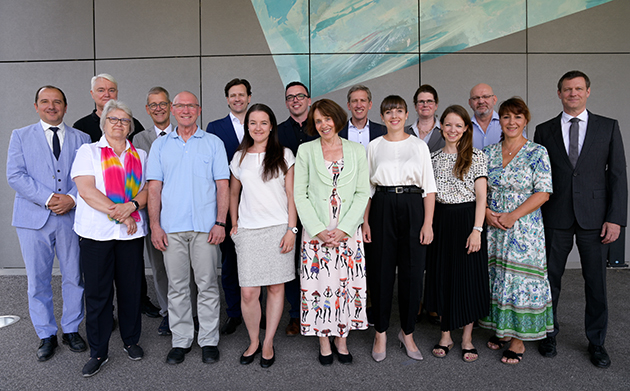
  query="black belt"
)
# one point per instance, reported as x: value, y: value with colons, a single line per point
x: 400, y: 189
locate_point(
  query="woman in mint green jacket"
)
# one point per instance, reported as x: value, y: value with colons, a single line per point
x: 331, y: 192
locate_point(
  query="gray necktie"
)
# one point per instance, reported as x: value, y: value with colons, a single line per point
x: 574, y: 131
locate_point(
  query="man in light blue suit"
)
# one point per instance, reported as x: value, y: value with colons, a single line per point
x: 38, y: 169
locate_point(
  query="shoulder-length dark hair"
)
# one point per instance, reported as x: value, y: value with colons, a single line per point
x: 515, y: 105
x: 327, y: 108
x: 464, y: 145
x: 274, y: 154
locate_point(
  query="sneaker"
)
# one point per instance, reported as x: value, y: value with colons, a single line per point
x: 93, y: 366
x: 164, y: 328
x: 135, y: 352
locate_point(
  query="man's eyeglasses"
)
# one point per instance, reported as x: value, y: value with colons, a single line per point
x: 115, y: 120
x: 298, y: 97
x: 181, y: 106
x: 484, y: 97
x: 161, y: 105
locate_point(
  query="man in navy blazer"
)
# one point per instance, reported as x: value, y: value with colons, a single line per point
x: 38, y: 169
x: 359, y: 128
x: 589, y: 202
x: 231, y: 130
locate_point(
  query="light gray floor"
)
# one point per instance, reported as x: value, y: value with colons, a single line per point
x: 297, y: 366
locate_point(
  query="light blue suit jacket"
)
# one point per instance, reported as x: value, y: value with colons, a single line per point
x: 34, y: 174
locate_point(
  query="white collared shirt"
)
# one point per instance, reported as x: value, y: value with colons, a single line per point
x: 361, y: 136
x: 565, y: 122
x: 89, y: 222
x: 61, y: 133
x: 239, y: 128
x: 167, y: 130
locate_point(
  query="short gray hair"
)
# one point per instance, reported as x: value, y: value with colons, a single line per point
x: 112, y: 105
x: 158, y: 90
x: 103, y: 76
x: 360, y: 87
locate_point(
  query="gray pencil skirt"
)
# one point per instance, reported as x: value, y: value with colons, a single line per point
x: 258, y: 256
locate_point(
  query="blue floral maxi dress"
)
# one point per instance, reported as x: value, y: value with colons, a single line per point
x: 519, y: 287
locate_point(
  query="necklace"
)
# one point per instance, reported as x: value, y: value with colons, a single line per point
x: 515, y: 149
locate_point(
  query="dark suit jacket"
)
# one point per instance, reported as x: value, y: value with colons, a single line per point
x: 435, y: 142
x: 376, y: 130
x: 596, y: 190
x: 224, y: 129
x: 91, y: 124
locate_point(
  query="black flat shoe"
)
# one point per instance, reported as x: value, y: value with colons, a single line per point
x: 599, y: 356
x: 230, y: 325
x: 177, y: 355
x: 343, y: 358
x: 547, y: 347
x: 267, y: 363
x: 325, y: 360
x: 74, y: 342
x: 246, y: 360
x: 47, y: 348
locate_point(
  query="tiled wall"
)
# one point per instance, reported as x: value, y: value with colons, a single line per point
x: 198, y: 45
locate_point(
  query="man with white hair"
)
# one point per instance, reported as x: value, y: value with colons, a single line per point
x: 104, y: 88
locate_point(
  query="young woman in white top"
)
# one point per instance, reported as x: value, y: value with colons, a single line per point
x: 263, y: 226
x: 398, y: 222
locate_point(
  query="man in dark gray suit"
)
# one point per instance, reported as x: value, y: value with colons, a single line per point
x: 589, y: 202
x: 159, y: 108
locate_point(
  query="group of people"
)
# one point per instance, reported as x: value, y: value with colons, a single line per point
x: 347, y: 205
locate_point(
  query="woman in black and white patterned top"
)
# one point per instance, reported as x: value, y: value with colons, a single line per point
x: 457, y: 285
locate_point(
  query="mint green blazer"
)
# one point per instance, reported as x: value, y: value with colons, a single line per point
x: 313, y: 187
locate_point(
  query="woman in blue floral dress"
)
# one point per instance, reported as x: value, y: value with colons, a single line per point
x: 519, y: 181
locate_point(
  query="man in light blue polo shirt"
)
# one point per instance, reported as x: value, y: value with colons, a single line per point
x: 188, y: 202
x: 486, y: 127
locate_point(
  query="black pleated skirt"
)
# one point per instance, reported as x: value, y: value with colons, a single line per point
x: 456, y: 285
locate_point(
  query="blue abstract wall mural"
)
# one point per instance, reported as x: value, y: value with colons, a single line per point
x: 333, y: 44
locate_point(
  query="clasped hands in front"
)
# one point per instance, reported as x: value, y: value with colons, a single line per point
x: 502, y: 221
x: 331, y: 238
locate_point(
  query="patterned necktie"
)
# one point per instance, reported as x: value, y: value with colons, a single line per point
x: 56, y: 146
x: 573, y: 141
x: 162, y: 133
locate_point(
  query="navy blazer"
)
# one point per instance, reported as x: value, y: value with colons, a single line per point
x: 34, y: 173
x: 593, y: 192
x: 376, y: 130
x: 224, y: 129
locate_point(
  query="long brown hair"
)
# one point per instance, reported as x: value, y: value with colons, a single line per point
x: 274, y: 153
x: 464, y: 145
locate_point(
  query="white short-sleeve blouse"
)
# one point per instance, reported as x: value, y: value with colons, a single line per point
x: 263, y: 204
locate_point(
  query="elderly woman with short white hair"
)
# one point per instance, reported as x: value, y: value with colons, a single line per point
x: 110, y: 178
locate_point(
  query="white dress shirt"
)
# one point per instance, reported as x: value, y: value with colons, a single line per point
x: 239, y: 128
x: 361, y: 136
x: 167, y: 130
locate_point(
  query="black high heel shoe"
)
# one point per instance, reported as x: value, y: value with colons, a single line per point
x: 343, y: 358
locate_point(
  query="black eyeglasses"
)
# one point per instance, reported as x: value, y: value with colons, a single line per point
x: 298, y: 97
x: 115, y: 120
x: 161, y: 105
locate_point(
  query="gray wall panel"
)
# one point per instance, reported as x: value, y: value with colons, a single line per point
x: 144, y: 28
x: 45, y: 30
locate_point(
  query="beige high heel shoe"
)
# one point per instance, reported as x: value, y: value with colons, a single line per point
x: 378, y: 357
x: 415, y: 355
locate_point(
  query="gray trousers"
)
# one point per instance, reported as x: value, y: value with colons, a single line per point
x: 186, y: 250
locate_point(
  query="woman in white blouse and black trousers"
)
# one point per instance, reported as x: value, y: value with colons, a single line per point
x: 398, y: 222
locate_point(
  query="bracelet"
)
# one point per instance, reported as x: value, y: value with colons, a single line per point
x: 220, y: 224
x: 480, y: 229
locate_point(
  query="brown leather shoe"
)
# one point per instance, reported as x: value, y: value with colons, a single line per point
x: 293, y: 328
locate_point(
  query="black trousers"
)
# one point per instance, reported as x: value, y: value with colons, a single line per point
x: 103, y: 263
x: 395, y: 221
x: 559, y: 243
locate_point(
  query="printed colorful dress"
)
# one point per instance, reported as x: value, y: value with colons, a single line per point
x: 519, y: 287
x: 332, y: 280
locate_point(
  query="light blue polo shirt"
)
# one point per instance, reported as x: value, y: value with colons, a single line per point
x: 188, y: 171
